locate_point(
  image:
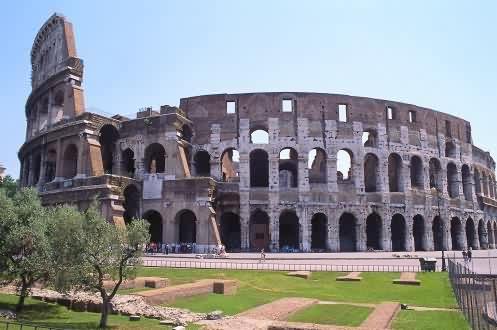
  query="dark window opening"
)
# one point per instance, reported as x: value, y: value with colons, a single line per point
x: 456, y: 234
x: 187, y: 227
x: 438, y: 234
x: 319, y: 231
x: 230, y: 231
x: 288, y: 168
x: 50, y: 166
x: 155, y: 158
x: 108, y: 138
x: 131, y: 203
x: 259, y: 168
x: 418, y: 231
x: 155, y: 220
x: 202, y: 161
x: 70, y: 162
x: 259, y: 230
x: 398, y: 228
x: 470, y: 234
x: 371, y: 173
x: 417, y: 175
x: 374, y: 232
x: 128, y: 161
x: 395, y: 173
x: 347, y: 233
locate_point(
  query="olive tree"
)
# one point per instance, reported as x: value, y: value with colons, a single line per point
x: 24, y: 241
x: 94, y: 249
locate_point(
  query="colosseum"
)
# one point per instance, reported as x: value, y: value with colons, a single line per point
x: 283, y: 171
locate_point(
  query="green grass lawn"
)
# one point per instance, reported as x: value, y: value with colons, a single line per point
x: 345, y: 315
x: 257, y: 287
x: 429, y: 320
x: 52, y: 315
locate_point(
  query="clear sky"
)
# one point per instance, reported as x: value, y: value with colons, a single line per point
x: 437, y: 54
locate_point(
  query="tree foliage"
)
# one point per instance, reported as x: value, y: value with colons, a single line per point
x: 9, y: 185
x: 24, y: 241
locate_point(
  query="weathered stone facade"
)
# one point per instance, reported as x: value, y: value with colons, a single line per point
x: 260, y: 170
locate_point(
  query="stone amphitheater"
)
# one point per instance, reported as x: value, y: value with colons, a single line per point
x: 281, y: 171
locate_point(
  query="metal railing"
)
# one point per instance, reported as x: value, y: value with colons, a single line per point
x: 14, y: 325
x: 268, y: 265
x: 476, y: 295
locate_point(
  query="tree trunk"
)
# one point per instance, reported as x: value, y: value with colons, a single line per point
x: 22, y: 296
x: 105, y: 312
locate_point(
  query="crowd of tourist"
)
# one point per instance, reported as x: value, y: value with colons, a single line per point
x: 166, y: 248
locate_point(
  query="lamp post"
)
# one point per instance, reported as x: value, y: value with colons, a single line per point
x: 441, y: 228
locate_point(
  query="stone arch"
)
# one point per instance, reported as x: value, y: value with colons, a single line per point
x: 259, y: 136
x: 319, y: 231
x: 50, y: 165
x: 347, y: 232
x: 344, y: 165
x: 438, y: 229
x: 395, y: 173
x: 259, y: 168
x: 452, y: 180
x: 399, y: 233
x: 259, y: 230
x: 467, y: 186
x: 289, y: 229
x: 154, y: 218
x: 418, y: 231
x: 371, y: 173
x: 230, y: 164
x: 155, y: 158
x: 435, y: 170
x: 417, y: 175
x: 317, y: 165
x: 231, y: 231
x: 456, y: 234
x: 288, y: 168
x: 450, y: 149
x: 187, y: 226
x: 470, y: 233
x: 108, y: 138
x: 202, y: 163
x: 374, y: 232
x: 70, y: 162
x: 131, y: 203
x: 128, y: 162
x: 481, y: 235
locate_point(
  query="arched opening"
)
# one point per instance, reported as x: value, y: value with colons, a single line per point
x: 70, y: 167
x: 452, y: 182
x: 417, y: 176
x: 438, y: 233
x: 288, y: 168
x: 259, y: 168
x: 398, y: 227
x: 202, y: 161
x: 395, y: 173
x: 58, y: 106
x: 230, y: 231
x: 128, y: 162
x: 481, y: 235
x: 347, y: 233
x: 259, y: 230
x: 50, y: 166
x: 317, y: 166
x: 108, y: 138
x: 456, y: 234
x: 374, y: 232
x: 131, y: 203
x: 477, y: 182
x: 259, y: 136
x: 186, y: 133
x: 155, y: 220
x: 485, y: 184
x: 470, y: 233
x: 43, y: 115
x: 289, y: 231
x: 450, y: 150
x: 230, y: 164
x: 418, y: 231
x: 371, y: 174
x: 155, y: 158
x: 36, y: 168
x: 344, y: 165
x: 490, y: 233
x: 466, y: 183
x: 319, y: 231
x: 187, y: 222
x: 435, y: 170
x: 370, y: 138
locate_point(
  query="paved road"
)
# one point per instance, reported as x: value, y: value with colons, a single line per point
x: 484, y: 261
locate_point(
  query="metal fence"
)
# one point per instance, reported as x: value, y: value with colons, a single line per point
x: 267, y: 265
x: 13, y: 325
x: 476, y: 295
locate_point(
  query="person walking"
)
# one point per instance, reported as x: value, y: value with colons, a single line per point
x: 470, y: 254
x: 263, y: 256
x: 465, y: 256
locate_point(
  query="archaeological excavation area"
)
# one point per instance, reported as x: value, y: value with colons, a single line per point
x: 285, y: 171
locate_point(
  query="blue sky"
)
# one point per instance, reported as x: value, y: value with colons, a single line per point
x: 437, y: 54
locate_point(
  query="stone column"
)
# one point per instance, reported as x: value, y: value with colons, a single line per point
x: 333, y: 231
x: 59, y: 173
x: 43, y: 167
x: 244, y: 220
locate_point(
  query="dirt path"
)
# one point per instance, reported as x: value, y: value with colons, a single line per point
x: 280, y: 309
